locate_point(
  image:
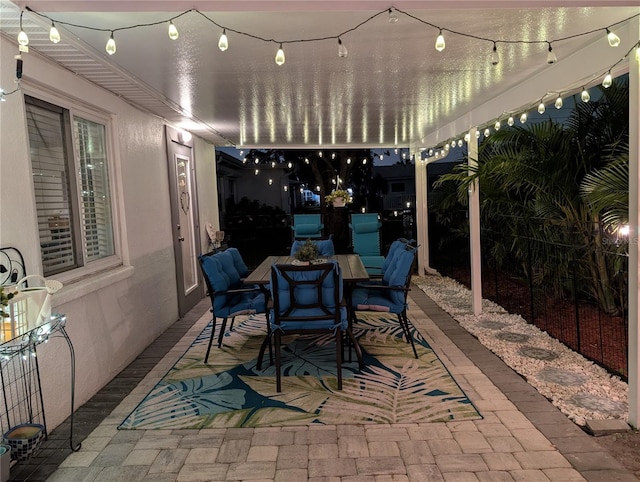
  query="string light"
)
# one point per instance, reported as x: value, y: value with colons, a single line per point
x: 608, y: 80
x: 487, y: 132
x: 584, y: 95
x: 551, y: 56
x: 173, y: 31
x: 54, y: 35
x: 523, y: 118
x: 440, y: 45
x: 510, y: 121
x: 342, y: 50
x: 497, y: 125
x: 23, y: 38
x: 613, y: 39
x: 393, y: 16
x: 559, y: 103
x: 495, y: 60
x: 111, y: 45
x: 223, y: 41
x: 541, y: 108
x: 280, y: 56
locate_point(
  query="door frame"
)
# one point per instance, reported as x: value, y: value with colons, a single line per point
x: 177, y: 144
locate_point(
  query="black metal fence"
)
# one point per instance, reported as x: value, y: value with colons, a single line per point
x: 577, y: 294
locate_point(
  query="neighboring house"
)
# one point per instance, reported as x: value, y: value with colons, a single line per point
x: 401, y: 185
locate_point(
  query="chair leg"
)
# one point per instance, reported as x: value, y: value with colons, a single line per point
x: 404, y: 323
x: 277, y: 336
x: 339, y: 335
x: 267, y: 339
x: 223, y: 327
x: 357, y: 347
x: 213, y: 330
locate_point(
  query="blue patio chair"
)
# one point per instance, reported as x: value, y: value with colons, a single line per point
x: 308, y: 299
x: 307, y: 226
x: 325, y: 246
x: 229, y: 297
x: 389, y: 295
x: 365, y: 239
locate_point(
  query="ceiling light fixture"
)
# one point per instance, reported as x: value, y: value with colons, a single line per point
x: 613, y: 39
x: 280, y: 56
x: 173, y: 31
x: 223, y: 41
x: 54, y: 35
x: 111, y: 45
x: 440, y: 45
x: 342, y: 50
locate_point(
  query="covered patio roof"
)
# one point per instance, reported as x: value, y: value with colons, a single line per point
x: 392, y: 89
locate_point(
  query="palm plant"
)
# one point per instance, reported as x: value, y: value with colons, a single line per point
x: 532, y: 192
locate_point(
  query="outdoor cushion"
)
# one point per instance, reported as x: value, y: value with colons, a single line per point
x: 226, y: 260
x: 325, y: 246
x: 307, y: 229
x: 238, y: 262
x: 363, y: 228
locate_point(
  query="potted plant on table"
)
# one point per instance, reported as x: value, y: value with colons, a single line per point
x: 308, y: 252
x: 338, y: 197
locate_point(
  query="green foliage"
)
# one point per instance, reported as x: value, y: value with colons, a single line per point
x: 4, y: 301
x: 546, y: 187
x: 307, y: 252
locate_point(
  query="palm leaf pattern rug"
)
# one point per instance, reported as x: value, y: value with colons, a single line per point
x: 229, y: 391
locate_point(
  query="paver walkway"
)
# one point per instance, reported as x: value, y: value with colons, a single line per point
x: 522, y: 437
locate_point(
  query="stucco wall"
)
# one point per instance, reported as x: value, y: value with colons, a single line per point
x: 113, y: 316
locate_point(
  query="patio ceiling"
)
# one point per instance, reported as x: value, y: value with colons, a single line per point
x: 393, y: 88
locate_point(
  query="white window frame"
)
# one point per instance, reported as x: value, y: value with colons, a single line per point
x: 78, y: 109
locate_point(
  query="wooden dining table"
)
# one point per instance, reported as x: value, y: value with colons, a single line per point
x: 353, y: 271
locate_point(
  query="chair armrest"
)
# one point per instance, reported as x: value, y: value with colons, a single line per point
x: 382, y: 287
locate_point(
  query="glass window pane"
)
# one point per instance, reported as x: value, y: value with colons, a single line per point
x: 51, y: 185
x: 94, y: 179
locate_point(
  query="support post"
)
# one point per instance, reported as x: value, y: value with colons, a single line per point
x: 422, y: 214
x: 634, y: 232
x: 474, y: 227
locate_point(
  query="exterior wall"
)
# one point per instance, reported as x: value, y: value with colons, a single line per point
x: 114, y: 315
x: 206, y: 171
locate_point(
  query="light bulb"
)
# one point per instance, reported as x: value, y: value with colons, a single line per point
x: 173, y: 31
x: 393, y: 16
x: 280, y: 56
x: 608, y: 80
x: 585, y: 95
x: 510, y: 121
x: 467, y: 137
x: 111, y: 45
x: 495, y: 60
x: 446, y: 148
x: 23, y: 39
x: 558, y: 103
x: 440, y: 42
x: 289, y: 165
x: 453, y: 143
x: 523, y: 118
x: 613, y: 39
x: 223, y: 41
x: 551, y: 56
x: 487, y: 132
x: 54, y: 35
x: 478, y: 134
x: 497, y: 125
x: 431, y: 152
x: 342, y: 50
x: 459, y: 142
x: 541, y: 108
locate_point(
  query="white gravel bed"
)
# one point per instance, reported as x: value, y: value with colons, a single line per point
x: 581, y: 389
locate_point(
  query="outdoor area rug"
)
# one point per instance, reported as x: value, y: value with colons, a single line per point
x: 394, y: 386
